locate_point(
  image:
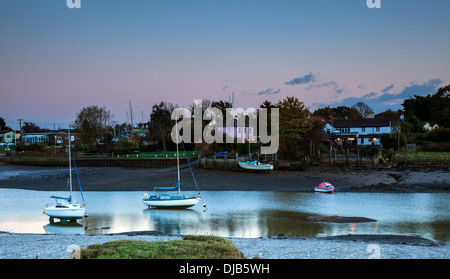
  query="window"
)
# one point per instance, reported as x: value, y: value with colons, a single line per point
x: 377, y: 129
x: 363, y: 129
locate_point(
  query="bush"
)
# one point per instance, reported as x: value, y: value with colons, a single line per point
x: 436, y: 135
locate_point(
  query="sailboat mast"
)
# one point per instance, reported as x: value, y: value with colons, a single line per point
x: 178, y: 157
x: 70, y: 167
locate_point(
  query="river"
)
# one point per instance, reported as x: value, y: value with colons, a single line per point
x: 237, y: 214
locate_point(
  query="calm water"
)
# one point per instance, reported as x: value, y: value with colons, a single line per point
x: 239, y: 214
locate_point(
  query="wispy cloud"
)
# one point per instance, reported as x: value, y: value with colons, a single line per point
x: 269, y: 91
x: 385, y: 99
x: 320, y: 85
x: 302, y: 80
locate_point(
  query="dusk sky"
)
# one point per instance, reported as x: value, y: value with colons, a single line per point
x: 54, y: 60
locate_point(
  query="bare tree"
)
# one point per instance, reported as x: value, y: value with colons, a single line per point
x: 363, y: 109
x: 92, y: 121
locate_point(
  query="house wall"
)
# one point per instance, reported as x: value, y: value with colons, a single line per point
x: 7, y: 137
x: 366, y: 135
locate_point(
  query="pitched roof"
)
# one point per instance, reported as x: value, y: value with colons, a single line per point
x: 365, y: 122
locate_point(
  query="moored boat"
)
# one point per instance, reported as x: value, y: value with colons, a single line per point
x: 255, y: 165
x: 173, y: 200
x: 324, y: 187
x: 65, y: 208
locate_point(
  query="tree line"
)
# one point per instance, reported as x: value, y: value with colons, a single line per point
x: 297, y: 127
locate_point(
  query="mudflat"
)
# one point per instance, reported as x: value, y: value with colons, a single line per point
x: 129, y: 179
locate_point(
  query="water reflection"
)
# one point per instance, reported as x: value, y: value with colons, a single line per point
x: 239, y: 214
x: 177, y: 221
x: 67, y: 228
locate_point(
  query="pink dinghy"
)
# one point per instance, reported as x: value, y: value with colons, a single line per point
x: 324, y: 187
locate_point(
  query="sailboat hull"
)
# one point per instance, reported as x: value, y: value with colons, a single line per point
x: 67, y: 211
x: 171, y: 202
x: 255, y: 166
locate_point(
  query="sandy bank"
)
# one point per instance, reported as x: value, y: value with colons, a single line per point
x: 45, y: 246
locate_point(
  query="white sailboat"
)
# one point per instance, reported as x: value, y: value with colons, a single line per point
x: 254, y: 165
x: 172, y: 200
x: 66, y: 208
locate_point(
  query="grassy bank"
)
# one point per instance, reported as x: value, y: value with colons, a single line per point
x: 418, y: 157
x: 191, y: 247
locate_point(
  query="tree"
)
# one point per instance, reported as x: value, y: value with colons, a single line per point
x: 346, y: 112
x: 222, y: 106
x: 295, y: 122
x: 3, y: 124
x: 388, y: 114
x: 161, y: 123
x: 92, y: 121
x: 30, y: 127
x: 338, y: 112
x: 363, y: 109
x: 433, y: 108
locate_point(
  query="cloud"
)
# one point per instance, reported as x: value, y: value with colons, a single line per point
x: 302, y: 80
x: 324, y: 84
x: 385, y: 100
x: 387, y: 89
x: 269, y: 91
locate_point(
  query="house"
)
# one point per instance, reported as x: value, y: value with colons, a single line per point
x: 6, y: 136
x: 51, y: 138
x: 237, y: 131
x: 428, y: 127
x: 31, y: 138
x: 360, y: 132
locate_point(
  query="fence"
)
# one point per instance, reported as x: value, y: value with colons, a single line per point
x: 350, y: 158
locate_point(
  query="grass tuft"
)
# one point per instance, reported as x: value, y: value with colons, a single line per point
x: 191, y: 247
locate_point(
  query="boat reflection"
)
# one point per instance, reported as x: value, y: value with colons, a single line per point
x: 67, y: 228
x: 178, y: 221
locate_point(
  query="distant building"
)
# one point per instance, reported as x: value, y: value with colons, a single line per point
x: 362, y: 132
x: 51, y: 138
x: 34, y: 138
x: 237, y: 130
x: 6, y: 136
x: 428, y: 127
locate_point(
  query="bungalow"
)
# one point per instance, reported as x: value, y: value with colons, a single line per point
x: 51, y: 138
x: 365, y: 132
x: 34, y: 138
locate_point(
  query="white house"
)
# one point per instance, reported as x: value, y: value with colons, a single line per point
x: 7, y: 136
x: 35, y: 138
x: 366, y: 131
x: 238, y: 131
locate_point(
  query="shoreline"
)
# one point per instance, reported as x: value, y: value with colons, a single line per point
x: 126, y: 179
x: 276, y: 247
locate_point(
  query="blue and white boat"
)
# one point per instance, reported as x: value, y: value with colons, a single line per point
x: 255, y: 165
x: 65, y: 208
x: 176, y: 200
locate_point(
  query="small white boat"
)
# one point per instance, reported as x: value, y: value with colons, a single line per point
x: 65, y: 208
x: 255, y: 165
x: 324, y: 187
x: 170, y: 200
x: 65, y: 211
